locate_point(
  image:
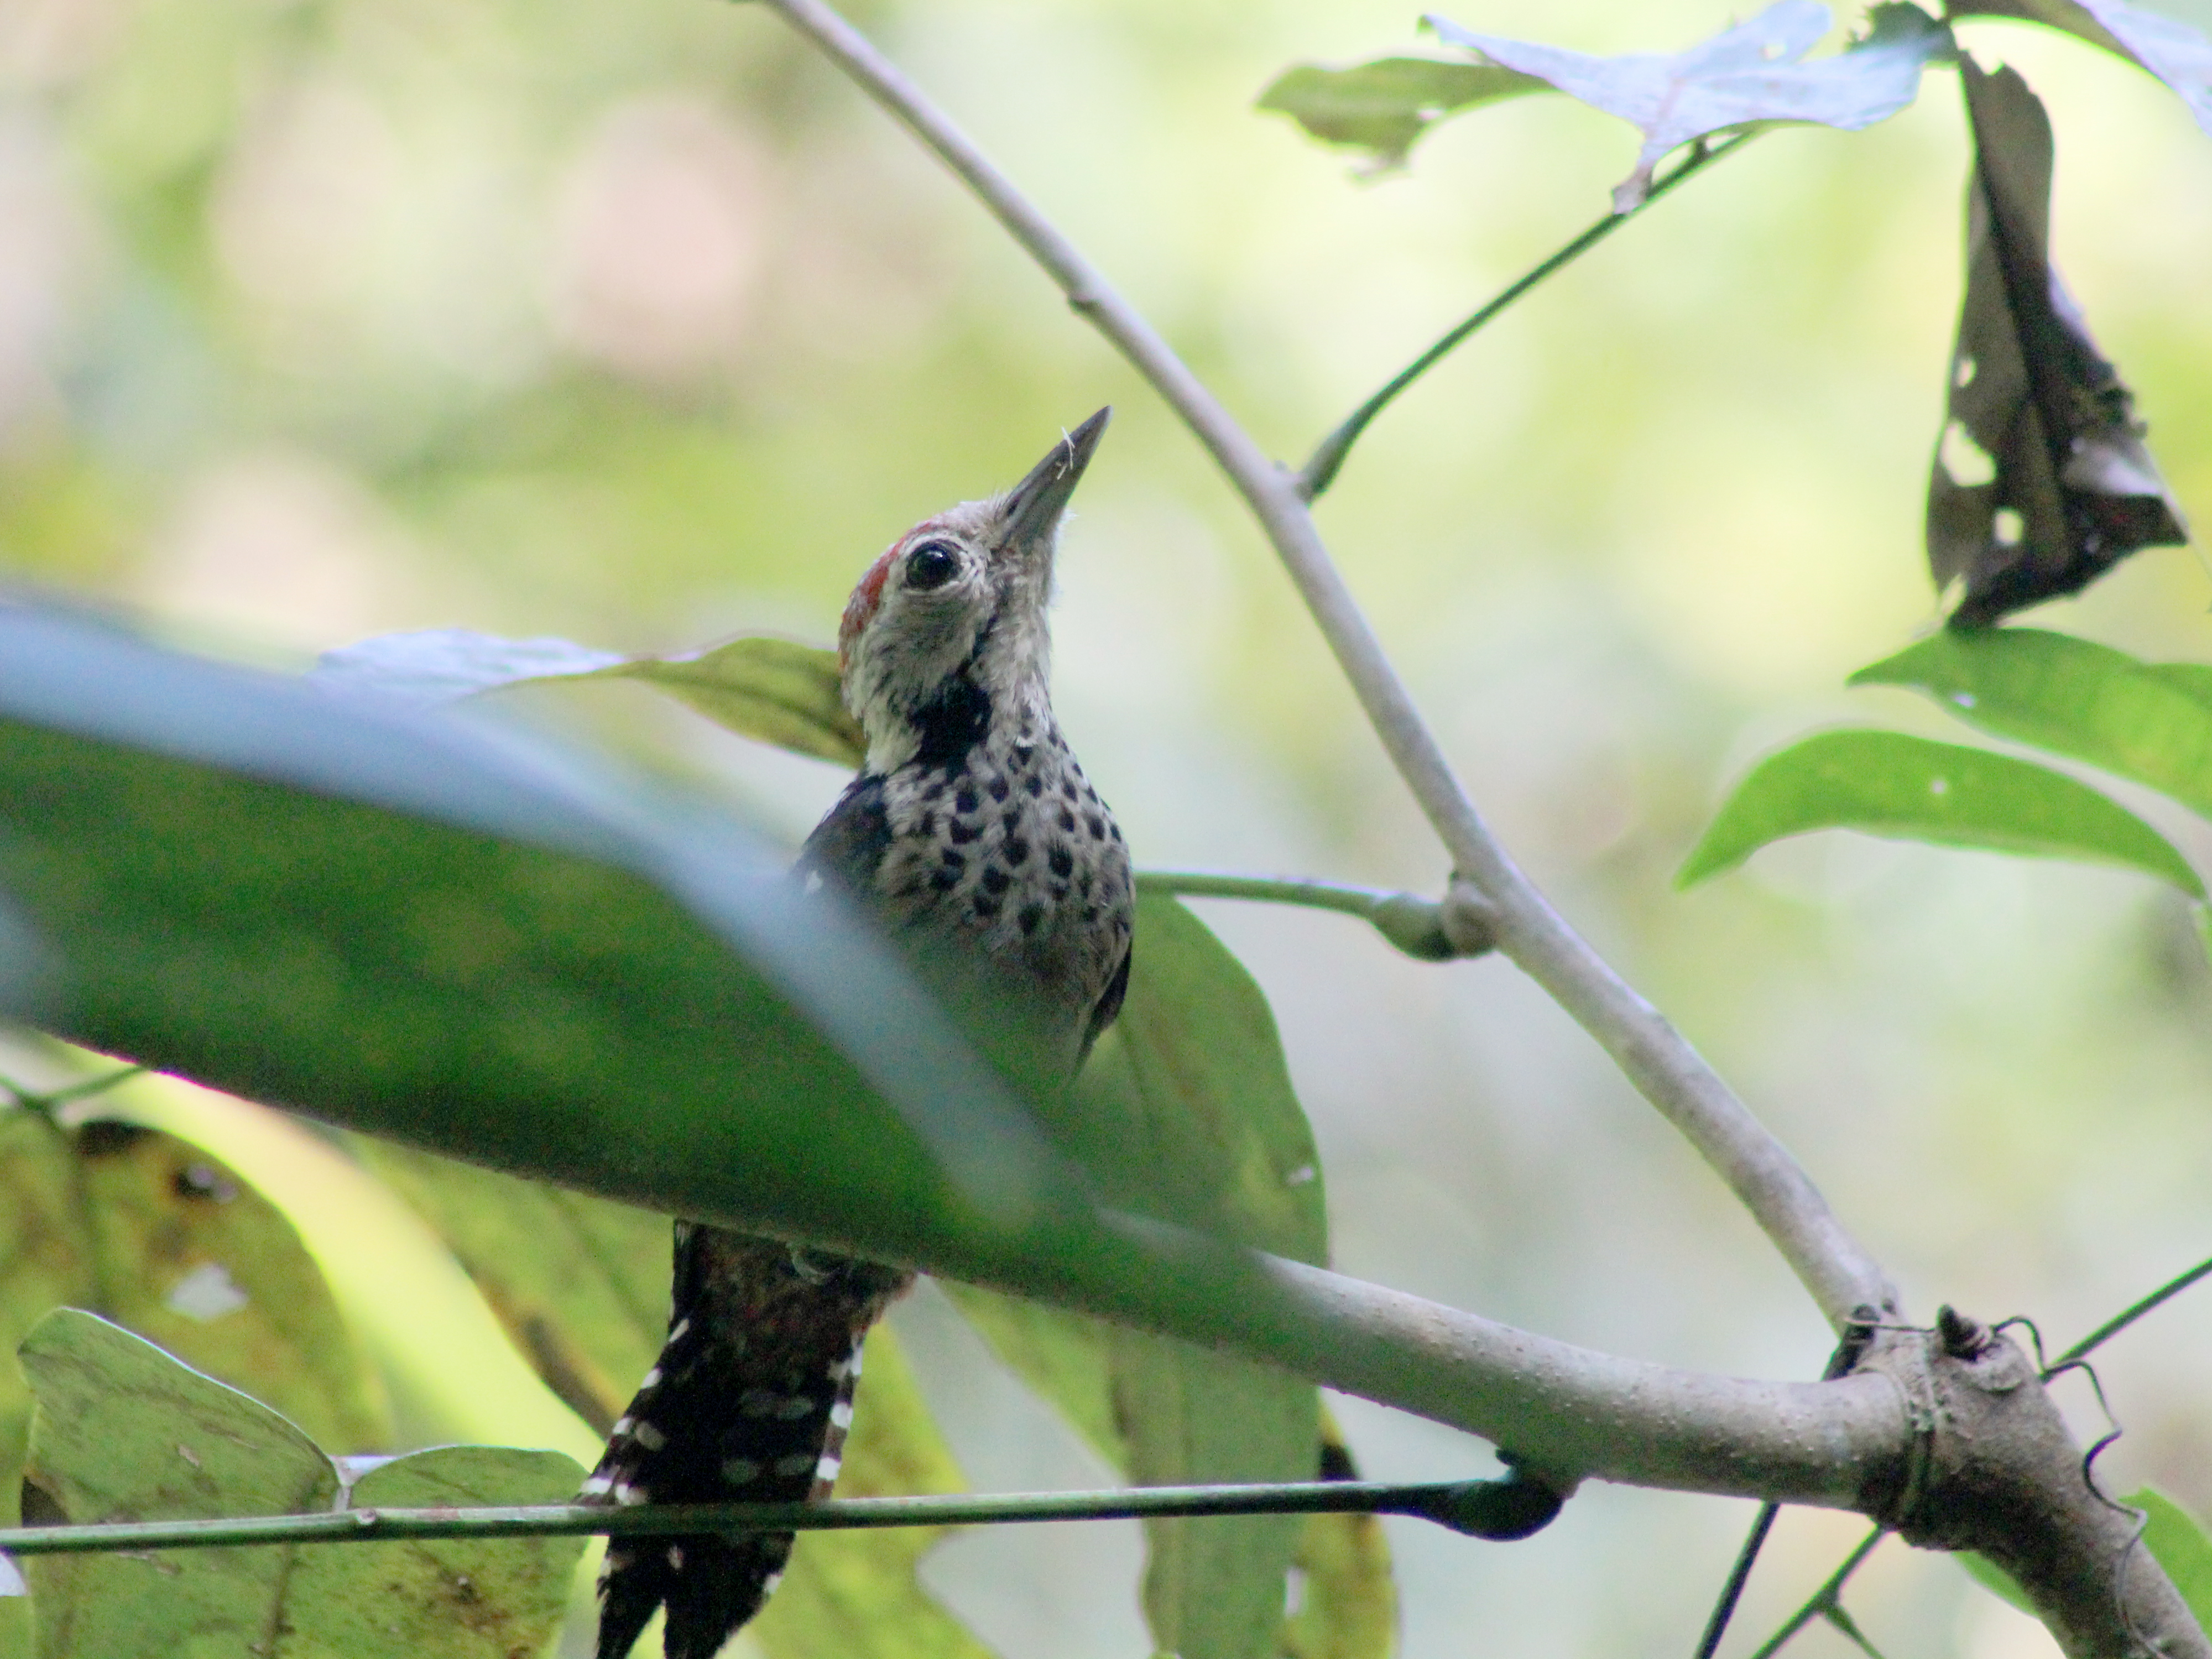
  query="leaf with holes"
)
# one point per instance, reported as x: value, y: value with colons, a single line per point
x: 2161, y: 44
x: 776, y: 690
x: 2040, y: 483
x: 1752, y: 75
x: 2149, y: 722
x: 1384, y: 106
x: 1885, y: 783
x: 153, y: 1233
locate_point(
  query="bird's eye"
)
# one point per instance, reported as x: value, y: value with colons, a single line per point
x: 932, y: 565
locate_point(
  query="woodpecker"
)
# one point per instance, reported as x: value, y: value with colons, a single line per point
x: 973, y: 839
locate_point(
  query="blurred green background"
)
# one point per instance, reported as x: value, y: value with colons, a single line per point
x: 626, y: 320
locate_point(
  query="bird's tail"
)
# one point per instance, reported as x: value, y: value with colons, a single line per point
x: 748, y: 1403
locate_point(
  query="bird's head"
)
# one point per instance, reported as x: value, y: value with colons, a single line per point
x: 946, y: 635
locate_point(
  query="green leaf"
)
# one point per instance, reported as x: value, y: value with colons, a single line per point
x: 1887, y: 784
x: 1749, y: 75
x: 1995, y: 1579
x: 856, y: 1595
x: 330, y: 903
x: 581, y: 1285
x: 2171, y: 1533
x: 156, y: 1234
x: 443, y: 1599
x: 1383, y: 106
x: 2053, y: 691
x: 1186, y: 1112
x: 2180, y: 1542
x: 122, y: 1431
x: 777, y: 690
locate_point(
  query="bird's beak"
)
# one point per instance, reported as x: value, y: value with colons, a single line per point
x: 1034, y: 505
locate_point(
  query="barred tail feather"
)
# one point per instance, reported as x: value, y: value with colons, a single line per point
x: 748, y: 1403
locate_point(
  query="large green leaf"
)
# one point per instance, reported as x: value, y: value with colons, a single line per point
x: 778, y: 691
x: 581, y: 1285
x: 1887, y: 784
x: 122, y: 1431
x: 1186, y: 1112
x: 2073, y: 698
x: 450, y: 936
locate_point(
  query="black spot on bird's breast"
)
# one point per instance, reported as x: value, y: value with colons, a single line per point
x: 952, y: 722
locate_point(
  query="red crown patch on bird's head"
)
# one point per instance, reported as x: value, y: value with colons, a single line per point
x: 862, y: 605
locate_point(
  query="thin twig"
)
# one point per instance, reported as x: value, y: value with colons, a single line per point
x: 1445, y: 1503
x: 1417, y: 926
x: 1823, y: 1602
x: 1329, y: 456
x: 1832, y: 1264
x: 2120, y: 1321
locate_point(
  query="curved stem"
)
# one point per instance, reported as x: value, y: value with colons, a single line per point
x: 1329, y: 456
x: 1423, y: 928
x: 1832, y: 1264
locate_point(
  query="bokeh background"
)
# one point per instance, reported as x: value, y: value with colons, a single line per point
x: 626, y: 320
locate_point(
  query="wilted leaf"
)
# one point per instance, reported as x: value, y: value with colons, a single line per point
x: 1887, y: 784
x: 2040, y: 482
x: 1383, y: 106
x: 1186, y: 1112
x: 1747, y: 76
x: 2165, y: 46
x: 122, y: 1431
x: 2137, y: 720
x: 444, y: 1598
x: 777, y: 690
x: 855, y: 1595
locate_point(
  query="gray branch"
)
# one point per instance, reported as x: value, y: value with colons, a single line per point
x: 1832, y: 1264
